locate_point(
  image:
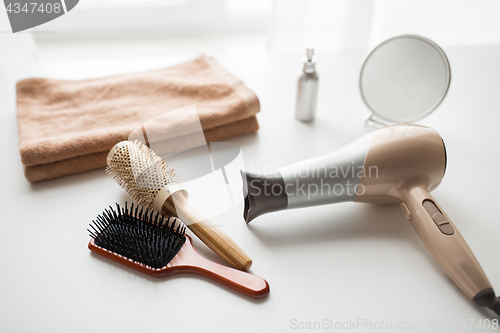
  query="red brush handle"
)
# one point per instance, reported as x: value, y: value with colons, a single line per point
x: 189, y: 260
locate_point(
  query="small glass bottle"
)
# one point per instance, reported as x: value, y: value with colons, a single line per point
x: 307, y: 89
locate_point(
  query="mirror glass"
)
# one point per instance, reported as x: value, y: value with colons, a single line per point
x: 404, y: 78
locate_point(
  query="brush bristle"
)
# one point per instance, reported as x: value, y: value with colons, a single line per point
x: 139, y: 234
x: 139, y: 171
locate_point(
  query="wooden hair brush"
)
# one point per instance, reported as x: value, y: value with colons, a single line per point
x: 156, y: 245
x: 146, y: 177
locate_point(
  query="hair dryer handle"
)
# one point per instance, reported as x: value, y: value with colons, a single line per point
x: 444, y: 242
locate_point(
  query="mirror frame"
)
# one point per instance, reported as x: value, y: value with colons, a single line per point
x: 386, y: 121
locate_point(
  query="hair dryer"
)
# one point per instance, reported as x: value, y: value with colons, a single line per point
x: 397, y: 164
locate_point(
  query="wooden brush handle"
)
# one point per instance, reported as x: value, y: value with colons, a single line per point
x: 188, y: 260
x: 178, y: 205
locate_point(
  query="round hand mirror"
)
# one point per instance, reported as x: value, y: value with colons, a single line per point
x: 404, y: 79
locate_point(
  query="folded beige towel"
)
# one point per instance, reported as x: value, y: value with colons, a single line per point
x: 67, y: 127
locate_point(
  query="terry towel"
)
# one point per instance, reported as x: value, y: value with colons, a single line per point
x: 68, y: 127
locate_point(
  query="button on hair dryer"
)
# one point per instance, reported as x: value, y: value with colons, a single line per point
x: 398, y: 164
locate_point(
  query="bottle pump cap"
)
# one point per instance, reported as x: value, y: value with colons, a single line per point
x: 309, y: 61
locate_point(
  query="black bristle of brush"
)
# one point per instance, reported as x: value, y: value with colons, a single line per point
x: 141, y: 235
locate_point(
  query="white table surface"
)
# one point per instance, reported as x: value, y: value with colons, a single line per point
x: 343, y: 263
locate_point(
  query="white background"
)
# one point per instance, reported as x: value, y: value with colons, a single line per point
x: 341, y: 262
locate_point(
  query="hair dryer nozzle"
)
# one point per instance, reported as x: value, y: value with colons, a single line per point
x: 263, y: 194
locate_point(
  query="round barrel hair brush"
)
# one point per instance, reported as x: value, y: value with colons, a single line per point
x: 146, y: 177
x: 156, y: 245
